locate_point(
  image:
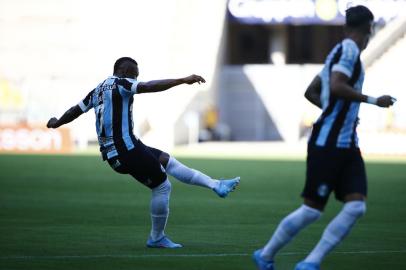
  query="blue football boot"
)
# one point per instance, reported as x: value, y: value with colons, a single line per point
x: 307, y: 266
x: 261, y: 263
x: 226, y: 186
x: 164, y: 242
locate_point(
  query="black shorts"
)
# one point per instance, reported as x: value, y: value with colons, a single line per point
x: 334, y: 169
x: 142, y: 163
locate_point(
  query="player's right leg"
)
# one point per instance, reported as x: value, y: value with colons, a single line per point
x: 194, y: 177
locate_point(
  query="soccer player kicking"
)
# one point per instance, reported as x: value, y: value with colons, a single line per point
x: 112, y: 101
x: 334, y: 161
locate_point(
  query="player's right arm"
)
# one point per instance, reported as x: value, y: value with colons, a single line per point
x: 70, y: 115
x: 73, y: 113
x: 313, y: 92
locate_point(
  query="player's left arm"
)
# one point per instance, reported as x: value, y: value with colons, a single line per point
x: 341, y: 73
x: 341, y: 88
x: 70, y: 115
x: 313, y: 92
x: 162, y: 85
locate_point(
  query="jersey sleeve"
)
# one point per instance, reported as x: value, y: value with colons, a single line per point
x: 348, y: 59
x: 129, y: 85
x: 86, y: 104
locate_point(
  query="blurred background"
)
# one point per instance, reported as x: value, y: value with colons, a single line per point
x: 258, y: 56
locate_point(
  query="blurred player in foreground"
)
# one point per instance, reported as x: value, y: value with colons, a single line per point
x: 112, y: 102
x: 334, y: 162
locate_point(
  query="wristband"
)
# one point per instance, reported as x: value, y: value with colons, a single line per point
x: 372, y: 100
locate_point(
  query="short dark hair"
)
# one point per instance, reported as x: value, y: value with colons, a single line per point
x: 120, y: 61
x: 358, y: 16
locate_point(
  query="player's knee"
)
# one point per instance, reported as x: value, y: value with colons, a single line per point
x: 172, y: 164
x: 167, y: 186
x: 310, y: 214
x: 179, y: 171
x: 164, y: 188
x: 355, y: 208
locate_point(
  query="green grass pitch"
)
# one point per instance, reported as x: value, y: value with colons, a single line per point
x: 74, y: 212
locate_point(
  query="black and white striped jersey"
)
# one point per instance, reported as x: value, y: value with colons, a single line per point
x: 336, y: 127
x: 112, y: 101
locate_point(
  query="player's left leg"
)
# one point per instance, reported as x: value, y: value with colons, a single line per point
x: 352, y: 191
x: 146, y: 169
x: 194, y: 177
x: 159, y: 216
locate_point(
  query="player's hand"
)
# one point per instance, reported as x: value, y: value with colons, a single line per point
x: 385, y: 101
x: 52, y: 123
x: 194, y: 79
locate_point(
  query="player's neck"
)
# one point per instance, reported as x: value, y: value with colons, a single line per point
x: 357, y: 38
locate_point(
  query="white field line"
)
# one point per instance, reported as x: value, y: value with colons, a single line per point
x: 135, y: 256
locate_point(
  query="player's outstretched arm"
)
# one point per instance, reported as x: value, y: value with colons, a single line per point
x: 313, y: 91
x: 162, y: 85
x: 340, y: 88
x: 67, y: 117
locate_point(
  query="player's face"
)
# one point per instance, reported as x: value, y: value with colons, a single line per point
x: 133, y: 71
x: 137, y: 72
x: 367, y: 32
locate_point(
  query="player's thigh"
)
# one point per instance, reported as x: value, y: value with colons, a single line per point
x: 353, y: 179
x: 144, y: 166
x: 160, y: 155
x: 322, y: 168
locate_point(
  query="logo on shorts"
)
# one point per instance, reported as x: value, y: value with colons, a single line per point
x: 322, y: 191
x: 148, y: 182
x: 116, y: 164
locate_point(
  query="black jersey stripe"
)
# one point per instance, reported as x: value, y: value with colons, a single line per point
x: 117, y: 107
x: 332, y: 102
x: 353, y: 80
x: 338, y: 124
x: 130, y: 120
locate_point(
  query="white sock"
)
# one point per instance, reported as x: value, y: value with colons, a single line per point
x: 336, y: 230
x: 160, y: 209
x: 288, y: 228
x: 188, y: 175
